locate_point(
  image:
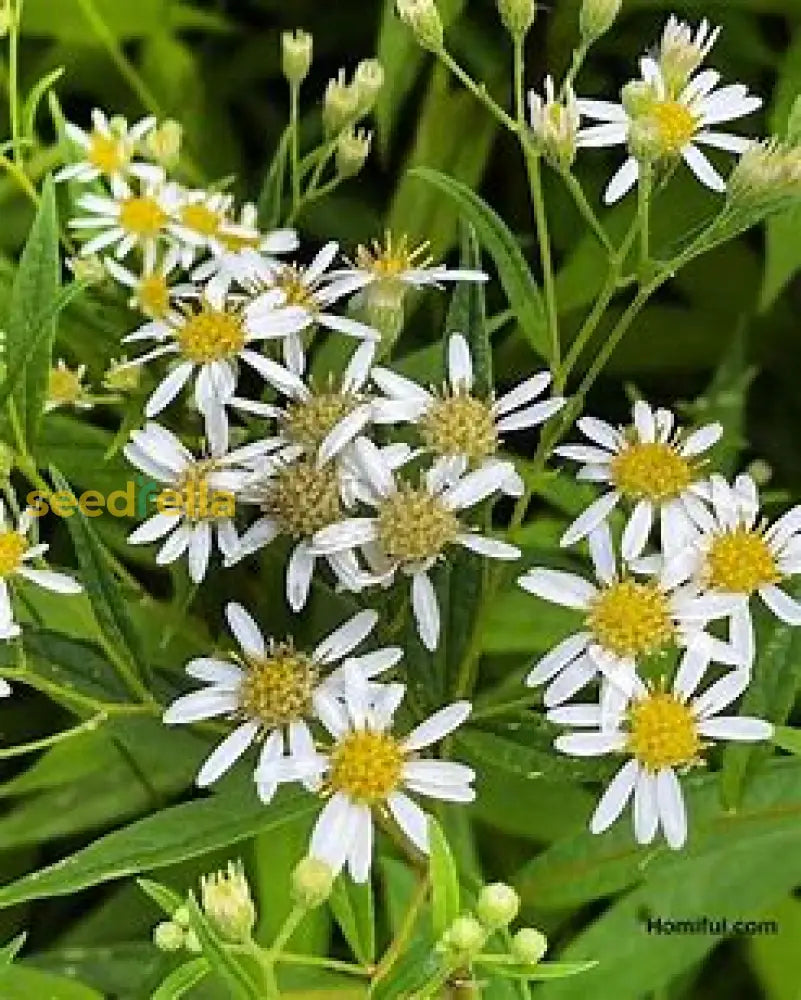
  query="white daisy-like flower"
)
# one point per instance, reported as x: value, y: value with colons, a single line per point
x: 298, y: 496
x: 16, y: 554
x: 368, y: 770
x: 397, y: 264
x: 109, y: 150
x: 413, y: 526
x: 663, y: 733
x: 199, y: 499
x: 65, y: 387
x: 677, y: 125
x: 152, y: 293
x: 127, y: 218
x: 310, y: 289
x: 654, y: 466
x: 273, y: 689
x: 736, y: 552
x: 459, y: 428
x: 210, y: 336
x: 626, y: 618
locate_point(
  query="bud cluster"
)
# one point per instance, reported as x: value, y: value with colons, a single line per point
x: 345, y: 104
x: 769, y: 170
x: 176, y: 934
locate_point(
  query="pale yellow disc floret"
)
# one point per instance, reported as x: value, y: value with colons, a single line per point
x: 142, y: 216
x: 414, y: 526
x: 663, y: 733
x: 106, y: 153
x: 460, y: 424
x: 309, y: 421
x: 64, y: 386
x: 13, y: 547
x: 675, y: 125
x: 631, y: 618
x: 392, y: 258
x: 740, y: 562
x: 653, y: 470
x: 304, y: 498
x: 277, y: 688
x: 211, y: 335
x: 366, y: 766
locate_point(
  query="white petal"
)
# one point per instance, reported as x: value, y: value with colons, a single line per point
x: 553, y: 585
x: 343, y: 433
x: 531, y: 416
x: 410, y: 818
x: 350, y: 534
x: 602, y: 553
x: 168, y: 389
x: 477, y: 485
x: 623, y: 181
x: 781, y: 604
x: 399, y: 387
x: 199, y: 551
x: 692, y: 668
x: 437, y: 726
x: 460, y: 364
x: 331, y: 712
x: 333, y: 832
x: 426, y: 610
x: 299, y: 572
x: 445, y: 793
x: 346, y: 638
x: 702, y: 439
x: 154, y: 527
x: 721, y: 694
x: 227, y: 753
x: 572, y: 679
x: 492, y: 548
x: 615, y: 798
x: 245, y: 630
x: 646, y: 814
x: 600, y: 136
x: 439, y: 772
x: 576, y: 716
x: 779, y: 533
x: 60, y: 583
x: 584, y: 453
x: 601, y: 433
x: 524, y: 393
x: 218, y: 672
x: 703, y: 169
x: 200, y: 705
x: 598, y: 511
x: 361, y: 849
x: 637, y: 530
x: 672, y: 812
x: 644, y: 421
x: 550, y: 664
x: 604, y: 111
x: 736, y: 727
x: 590, y: 744
x: 175, y: 546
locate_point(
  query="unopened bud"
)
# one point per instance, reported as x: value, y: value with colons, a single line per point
x: 88, y: 270
x: 597, y: 17
x: 555, y: 125
x: 353, y: 148
x: 296, y: 55
x: 423, y: 18
x: 192, y: 943
x: 163, y: 143
x: 340, y: 105
x: 498, y: 904
x: 383, y: 311
x: 228, y: 904
x: 181, y: 917
x: 168, y: 936
x: 645, y: 140
x: 760, y: 471
x: 529, y: 945
x: 464, y: 939
x: 638, y: 98
x: 312, y: 881
x: 367, y: 82
x: 517, y: 16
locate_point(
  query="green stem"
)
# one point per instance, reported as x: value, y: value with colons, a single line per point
x: 478, y: 90
x: 519, y: 81
x: 579, y: 55
x: 316, y: 962
x: 49, y: 741
x: 548, y: 281
x: 294, y: 125
x: 15, y: 11
x: 587, y: 211
x: 287, y: 929
x: 17, y: 174
x: 644, y: 216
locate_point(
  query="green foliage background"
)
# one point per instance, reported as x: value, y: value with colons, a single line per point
x: 724, y: 338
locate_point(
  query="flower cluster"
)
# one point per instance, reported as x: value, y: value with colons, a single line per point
x: 714, y: 556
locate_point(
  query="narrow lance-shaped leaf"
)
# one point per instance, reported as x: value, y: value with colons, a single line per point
x: 181, y: 980
x: 353, y: 909
x: 445, y: 901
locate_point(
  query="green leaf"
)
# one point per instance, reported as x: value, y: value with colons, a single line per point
x: 445, y: 903
x: 224, y: 963
x: 540, y: 972
x: 775, y: 957
x: 162, y: 895
x: 271, y: 199
x: 353, y: 909
x: 172, y: 835
x: 182, y: 979
x: 515, y: 276
x: 788, y: 739
x: 31, y: 324
x: 10, y: 951
x: 105, y: 593
x: 467, y: 315
x: 34, y: 99
x: 18, y: 983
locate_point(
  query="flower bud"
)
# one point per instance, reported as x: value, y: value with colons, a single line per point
x: 168, y: 936
x: 383, y: 310
x: 89, y: 270
x: 353, y: 148
x: 638, y: 97
x: 340, y: 105
x: 529, y: 945
x: 163, y: 144
x: 192, y: 943
x: 597, y: 17
x: 463, y: 940
x: 122, y: 377
x: 296, y: 55
x: 181, y: 917
x: 645, y: 140
x: 555, y: 125
x: 517, y: 16
x: 498, y: 905
x: 423, y: 18
x: 367, y: 82
x: 228, y: 904
x: 312, y: 881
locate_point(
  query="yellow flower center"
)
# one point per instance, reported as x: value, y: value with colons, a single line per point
x: 238, y: 241
x: 200, y: 219
x: 651, y: 471
x: 663, y: 733
x: 211, y: 334
x: 277, y: 688
x: 740, y: 562
x: 290, y: 281
x: 675, y: 124
x: 310, y: 421
x: 13, y: 547
x: 106, y: 153
x: 153, y: 295
x: 142, y: 216
x: 200, y: 502
x: 391, y: 259
x: 630, y: 618
x: 64, y: 386
x: 303, y: 498
x: 460, y: 425
x: 366, y: 766
x: 414, y: 526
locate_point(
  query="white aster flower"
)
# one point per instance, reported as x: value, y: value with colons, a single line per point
x: 459, y: 428
x: 210, y: 336
x: 151, y: 291
x: 663, y: 734
x: 369, y: 770
x: 676, y: 124
x: 199, y: 499
x: 273, y: 690
x: 310, y: 289
x: 16, y: 554
x: 109, y: 150
x: 413, y: 526
x: 736, y: 552
x: 626, y: 618
x: 127, y: 218
x: 653, y: 465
